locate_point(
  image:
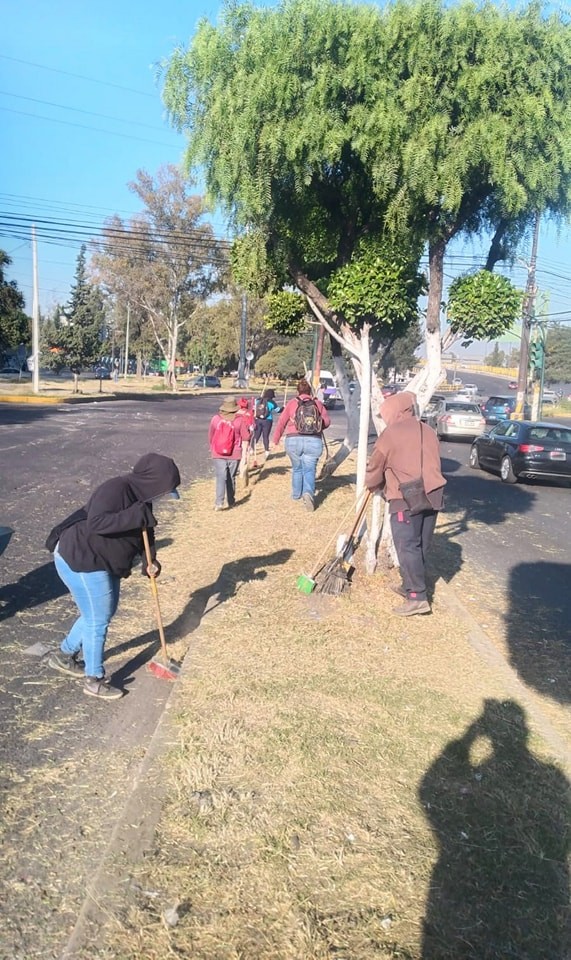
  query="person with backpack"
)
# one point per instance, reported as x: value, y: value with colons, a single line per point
x: 302, y: 421
x: 227, y: 431
x: 264, y: 411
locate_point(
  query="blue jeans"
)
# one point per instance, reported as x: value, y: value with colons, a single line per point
x: 96, y: 595
x: 225, y: 472
x: 304, y: 452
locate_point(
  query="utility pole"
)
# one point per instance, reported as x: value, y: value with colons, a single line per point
x: 35, y: 317
x: 241, y: 380
x: 126, y: 367
x: 527, y: 319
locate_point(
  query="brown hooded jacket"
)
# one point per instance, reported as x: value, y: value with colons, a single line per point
x: 396, y: 454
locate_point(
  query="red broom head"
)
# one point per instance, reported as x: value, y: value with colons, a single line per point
x: 164, y: 671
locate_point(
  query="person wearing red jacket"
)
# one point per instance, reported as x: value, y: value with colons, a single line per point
x: 303, y: 449
x: 228, y: 429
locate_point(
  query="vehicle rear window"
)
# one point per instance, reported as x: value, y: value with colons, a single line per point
x: 463, y: 408
x: 501, y: 401
x: 556, y: 434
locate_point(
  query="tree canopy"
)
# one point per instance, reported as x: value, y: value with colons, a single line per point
x: 319, y: 123
x: 164, y: 261
x: 558, y: 355
x: 15, y: 325
x: 75, y: 338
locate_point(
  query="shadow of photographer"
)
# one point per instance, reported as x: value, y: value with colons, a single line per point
x: 500, y: 887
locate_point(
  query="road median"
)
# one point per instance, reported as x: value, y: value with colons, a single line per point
x: 335, y: 780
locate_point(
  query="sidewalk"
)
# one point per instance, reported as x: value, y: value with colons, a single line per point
x: 329, y: 780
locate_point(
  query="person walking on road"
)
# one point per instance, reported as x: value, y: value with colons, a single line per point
x: 94, y: 549
x: 303, y: 420
x: 406, y: 450
x: 264, y: 410
x: 228, y: 430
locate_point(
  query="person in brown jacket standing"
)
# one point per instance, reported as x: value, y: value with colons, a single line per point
x: 408, y: 449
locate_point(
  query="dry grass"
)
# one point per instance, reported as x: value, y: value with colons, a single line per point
x: 327, y: 790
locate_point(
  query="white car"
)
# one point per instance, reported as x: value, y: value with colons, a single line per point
x: 456, y: 382
x: 549, y: 396
x: 471, y: 389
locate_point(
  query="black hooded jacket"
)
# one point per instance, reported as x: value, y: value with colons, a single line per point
x: 107, y: 535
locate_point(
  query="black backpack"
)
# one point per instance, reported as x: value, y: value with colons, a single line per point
x: 308, y: 420
x: 262, y: 409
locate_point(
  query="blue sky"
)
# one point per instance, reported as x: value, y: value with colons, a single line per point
x: 80, y: 112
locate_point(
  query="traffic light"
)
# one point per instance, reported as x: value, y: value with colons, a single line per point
x: 536, y: 354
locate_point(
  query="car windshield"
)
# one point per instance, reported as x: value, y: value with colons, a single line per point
x: 462, y: 408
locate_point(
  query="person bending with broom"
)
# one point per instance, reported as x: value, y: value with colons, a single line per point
x: 94, y: 549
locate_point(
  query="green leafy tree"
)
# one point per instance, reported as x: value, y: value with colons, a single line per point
x: 324, y: 129
x: 497, y: 357
x: 320, y: 124
x: 164, y: 262
x: 51, y: 335
x: 558, y: 355
x: 268, y: 98
x: 76, y: 339
x: 477, y: 129
x: 15, y: 325
x: 285, y: 362
x: 482, y: 306
x: 401, y: 355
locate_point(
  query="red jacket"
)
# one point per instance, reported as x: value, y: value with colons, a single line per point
x: 241, y: 432
x: 286, y: 422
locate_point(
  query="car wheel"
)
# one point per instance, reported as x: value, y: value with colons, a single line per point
x: 507, y: 471
x: 474, y: 459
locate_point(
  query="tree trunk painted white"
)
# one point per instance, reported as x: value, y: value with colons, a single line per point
x: 373, y: 533
x: 364, y: 413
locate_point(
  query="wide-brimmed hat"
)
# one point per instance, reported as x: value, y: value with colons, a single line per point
x: 228, y: 405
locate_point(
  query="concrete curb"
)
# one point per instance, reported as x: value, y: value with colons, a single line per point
x: 54, y: 401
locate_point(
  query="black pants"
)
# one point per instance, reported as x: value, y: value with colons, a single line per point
x: 412, y: 537
x: 262, y: 429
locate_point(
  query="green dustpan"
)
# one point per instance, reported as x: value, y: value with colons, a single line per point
x: 305, y: 583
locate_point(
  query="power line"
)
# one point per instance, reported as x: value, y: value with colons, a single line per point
x: 79, y: 76
x: 110, y: 231
x: 89, y: 113
x: 83, y: 126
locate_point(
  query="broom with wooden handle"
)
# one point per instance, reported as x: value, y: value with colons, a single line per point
x: 334, y: 576
x: 165, y: 668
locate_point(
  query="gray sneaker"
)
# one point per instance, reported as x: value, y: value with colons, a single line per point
x: 73, y: 666
x: 100, y: 687
x: 308, y: 501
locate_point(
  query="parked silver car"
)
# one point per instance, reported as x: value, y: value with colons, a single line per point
x: 460, y: 418
x: 434, y: 409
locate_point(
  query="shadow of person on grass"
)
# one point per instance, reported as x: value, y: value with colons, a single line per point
x: 500, y: 887
x: 230, y: 579
x: 34, y: 588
